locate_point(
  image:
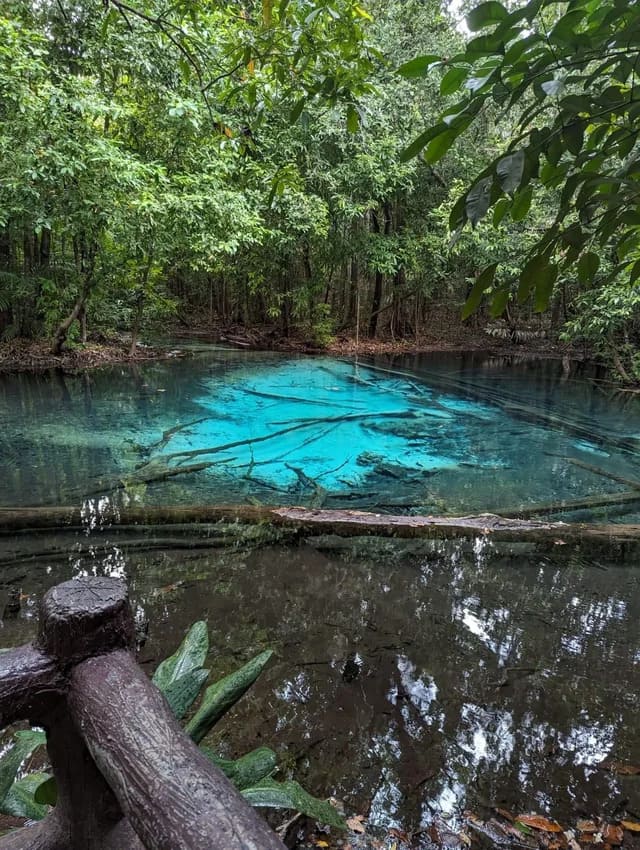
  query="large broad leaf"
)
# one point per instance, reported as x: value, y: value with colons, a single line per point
x: 20, y: 802
x: 190, y: 656
x: 478, y: 200
x: 588, y: 266
x: 183, y: 692
x: 222, y: 695
x: 46, y: 794
x: 249, y: 769
x: 419, y: 66
x: 485, y: 15
x: 510, y: 170
x: 25, y: 743
x: 483, y: 282
x: 544, y: 287
x: 291, y: 795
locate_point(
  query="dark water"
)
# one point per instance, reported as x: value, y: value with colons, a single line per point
x: 425, y: 434
x: 411, y: 680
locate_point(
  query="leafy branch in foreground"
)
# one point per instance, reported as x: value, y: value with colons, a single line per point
x: 181, y: 678
x: 570, y: 73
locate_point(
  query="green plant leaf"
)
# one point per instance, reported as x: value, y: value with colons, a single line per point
x: 290, y: 795
x: 478, y: 200
x: 224, y: 694
x: 183, y: 692
x: 248, y: 769
x: 510, y: 170
x: 46, y: 794
x: 452, y: 80
x: 588, y: 266
x: 486, y: 14
x: 522, y: 204
x: 544, y: 287
x: 438, y: 147
x: 419, y: 66
x: 25, y: 743
x: 483, y: 282
x: 20, y: 801
x: 499, y: 302
x: 353, y: 119
x: 190, y: 655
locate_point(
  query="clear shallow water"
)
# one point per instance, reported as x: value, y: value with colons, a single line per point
x: 437, y: 434
x: 414, y: 681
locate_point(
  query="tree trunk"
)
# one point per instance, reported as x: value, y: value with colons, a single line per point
x: 379, y: 278
x: 61, y: 334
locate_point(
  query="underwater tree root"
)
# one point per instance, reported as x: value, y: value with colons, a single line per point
x: 345, y: 523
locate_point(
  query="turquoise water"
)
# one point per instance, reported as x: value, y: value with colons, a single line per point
x: 427, y: 434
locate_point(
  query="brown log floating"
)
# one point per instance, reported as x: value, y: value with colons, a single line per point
x: 349, y: 523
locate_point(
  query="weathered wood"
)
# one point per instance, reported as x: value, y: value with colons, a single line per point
x: 30, y: 682
x: 174, y: 797
x: 115, y: 747
x: 349, y: 523
x: 85, y: 616
x: 634, y: 484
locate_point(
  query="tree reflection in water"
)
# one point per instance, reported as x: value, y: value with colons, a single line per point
x: 413, y: 680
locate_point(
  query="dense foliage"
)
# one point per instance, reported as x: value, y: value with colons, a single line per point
x: 255, y: 163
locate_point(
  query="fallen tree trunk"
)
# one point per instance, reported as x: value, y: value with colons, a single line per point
x: 566, y: 506
x: 304, y: 522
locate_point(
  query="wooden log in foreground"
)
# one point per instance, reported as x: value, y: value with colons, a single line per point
x: 347, y: 523
x: 128, y: 777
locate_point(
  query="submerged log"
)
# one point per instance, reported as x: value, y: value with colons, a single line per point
x: 569, y: 505
x: 348, y: 523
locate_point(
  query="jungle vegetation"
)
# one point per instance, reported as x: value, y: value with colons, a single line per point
x: 320, y: 166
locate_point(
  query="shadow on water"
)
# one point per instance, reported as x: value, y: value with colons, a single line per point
x: 412, y: 679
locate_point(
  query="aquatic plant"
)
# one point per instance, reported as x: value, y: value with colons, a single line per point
x: 181, y: 678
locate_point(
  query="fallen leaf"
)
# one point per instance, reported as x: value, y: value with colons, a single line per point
x: 586, y: 826
x: 631, y: 825
x: 401, y: 836
x: 613, y: 834
x: 538, y: 822
x: 620, y: 767
x: 322, y: 843
x: 355, y: 823
x: 505, y: 814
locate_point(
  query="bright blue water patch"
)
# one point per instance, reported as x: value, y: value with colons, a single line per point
x: 442, y: 435
x: 329, y: 424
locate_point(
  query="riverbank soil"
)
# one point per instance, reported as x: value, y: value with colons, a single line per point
x: 23, y: 355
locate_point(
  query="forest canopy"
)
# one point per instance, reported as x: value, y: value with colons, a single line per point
x: 311, y: 166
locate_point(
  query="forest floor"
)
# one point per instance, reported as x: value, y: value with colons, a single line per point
x: 441, y: 336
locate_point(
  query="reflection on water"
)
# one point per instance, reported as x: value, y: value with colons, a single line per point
x: 424, y: 434
x: 414, y: 680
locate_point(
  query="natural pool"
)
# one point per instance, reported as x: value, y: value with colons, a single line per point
x: 414, y: 680
x: 426, y: 435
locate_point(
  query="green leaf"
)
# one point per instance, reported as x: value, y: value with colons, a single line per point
x: 522, y: 204
x: 483, y: 282
x: 486, y: 14
x: 478, y: 200
x: 190, y: 655
x: 421, y: 141
x: 510, y: 170
x: 544, y: 287
x: 46, y: 794
x: 573, y: 135
x: 248, y: 769
x: 418, y: 67
x: 500, y: 210
x: 353, y: 119
x: 452, y: 80
x: 25, y: 743
x: 20, y: 801
x: 224, y: 694
x: 588, y: 266
x: 499, y: 302
x: 529, y: 275
x: 296, y: 112
x: 438, y: 147
x: 183, y: 692
x: 291, y: 795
